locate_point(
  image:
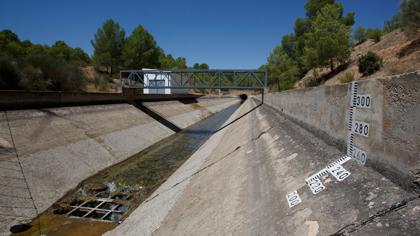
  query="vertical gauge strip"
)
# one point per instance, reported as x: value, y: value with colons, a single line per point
x: 352, y: 110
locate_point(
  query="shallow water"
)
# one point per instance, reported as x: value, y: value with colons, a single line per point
x: 127, y: 184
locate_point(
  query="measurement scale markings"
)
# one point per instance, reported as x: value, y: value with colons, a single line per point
x: 360, y: 156
x: 339, y: 172
x: 363, y: 101
x: 360, y: 127
x: 293, y: 199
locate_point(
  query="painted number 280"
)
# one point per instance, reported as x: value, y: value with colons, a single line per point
x: 361, y: 128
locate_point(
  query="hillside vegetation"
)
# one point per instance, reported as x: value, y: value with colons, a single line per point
x: 324, y: 49
x: 399, y: 53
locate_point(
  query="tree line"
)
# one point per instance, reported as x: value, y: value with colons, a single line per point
x: 28, y: 66
x: 324, y: 38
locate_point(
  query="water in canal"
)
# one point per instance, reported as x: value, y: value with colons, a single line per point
x: 101, y: 201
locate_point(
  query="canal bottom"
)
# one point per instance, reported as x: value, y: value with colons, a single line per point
x: 100, y: 202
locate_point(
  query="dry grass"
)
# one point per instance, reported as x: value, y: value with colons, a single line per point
x: 399, y: 53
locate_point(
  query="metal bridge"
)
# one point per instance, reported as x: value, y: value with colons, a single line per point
x: 195, y: 79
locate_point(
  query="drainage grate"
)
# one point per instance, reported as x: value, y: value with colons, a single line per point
x: 99, y: 209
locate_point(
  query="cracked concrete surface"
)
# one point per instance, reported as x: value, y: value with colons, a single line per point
x: 258, y: 160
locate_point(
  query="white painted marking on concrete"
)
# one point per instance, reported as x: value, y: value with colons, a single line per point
x: 359, y: 155
x: 315, y: 185
x: 363, y: 101
x: 340, y: 161
x: 339, y: 172
x: 360, y: 127
x: 318, y: 175
x: 293, y: 199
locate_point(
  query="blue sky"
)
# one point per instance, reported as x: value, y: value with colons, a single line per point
x: 224, y: 34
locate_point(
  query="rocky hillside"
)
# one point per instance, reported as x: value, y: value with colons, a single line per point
x: 399, y: 53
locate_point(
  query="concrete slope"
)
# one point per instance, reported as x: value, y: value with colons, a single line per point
x: 60, y: 147
x: 244, y: 175
x: 393, y: 141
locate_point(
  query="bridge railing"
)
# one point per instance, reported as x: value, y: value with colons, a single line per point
x: 194, y: 79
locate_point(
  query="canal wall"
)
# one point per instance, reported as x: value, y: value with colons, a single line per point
x: 60, y: 147
x: 237, y: 183
x: 393, y: 145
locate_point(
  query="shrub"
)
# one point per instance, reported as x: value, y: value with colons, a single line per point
x: 374, y: 34
x: 33, y: 79
x: 102, y: 82
x: 410, y: 17
x: 395, y: 70
x: 346, y: 78
x: 313, y: 82
x: 370, y: 63
x: 315, y: 79
x: 61, y: 76
x: 9, y: 76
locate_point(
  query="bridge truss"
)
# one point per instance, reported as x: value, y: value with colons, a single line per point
x: 195, y: 79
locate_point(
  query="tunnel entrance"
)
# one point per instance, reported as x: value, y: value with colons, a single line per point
x: 243, y: 97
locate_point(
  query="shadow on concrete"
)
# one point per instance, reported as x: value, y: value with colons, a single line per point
x: 157, y: 117
x: 238, y: 118
x: 188, y: 101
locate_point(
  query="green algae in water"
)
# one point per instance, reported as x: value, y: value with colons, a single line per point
x: 149, y: 168
x: 137, y: 177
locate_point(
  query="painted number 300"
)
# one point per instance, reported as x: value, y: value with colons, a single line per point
x: 363, y: 101
x: 361, y: 128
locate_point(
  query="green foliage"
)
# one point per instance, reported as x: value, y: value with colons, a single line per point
x: 392, y: 24
x: 140, y: 50
x: 374, y: 34
x: 410, y: 17
x: 283, y: 72
x: 101, y: 82
x: 346, y: 78
x: 312, y: 7
x: 349, y: 19
x: 62, y: 51
x: 107, y: 43
x: 295, y: 45
x: 58, y: 74
x: 37, y: 49
x: 81, y: 57
x: 9, y: 76
x: 7, y: 36
x: 369, y: 63
x: 314, y: 80
x: 32, y: 78
x: 198, y: 66
x: 328, y: 40
x: 168, y: 62
x: 359, y: 34
x: 24, y: 65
